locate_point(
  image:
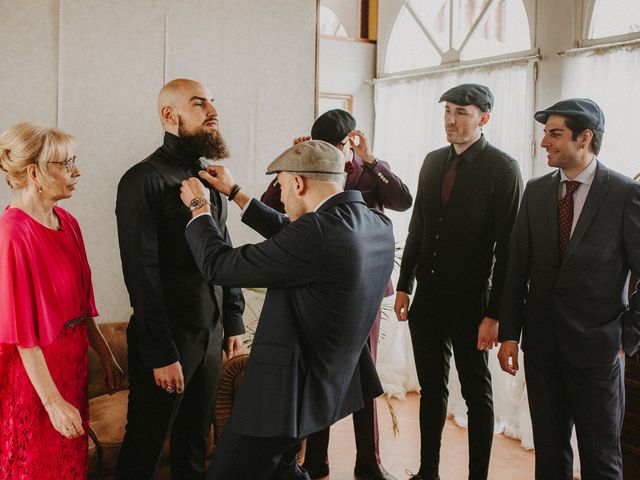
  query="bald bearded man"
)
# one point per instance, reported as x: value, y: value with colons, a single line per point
x: 180, y: 323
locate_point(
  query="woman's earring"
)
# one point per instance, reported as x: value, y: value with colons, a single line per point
x: 39, y: 189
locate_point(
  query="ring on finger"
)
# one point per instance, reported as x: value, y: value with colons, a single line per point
x: 169, y: 389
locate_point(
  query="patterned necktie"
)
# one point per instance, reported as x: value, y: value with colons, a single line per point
x: 565, y: 215
x: 449, y: 180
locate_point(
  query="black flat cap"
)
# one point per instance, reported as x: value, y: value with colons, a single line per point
x: 583, y: 109
x: 469, y: 94
x: 333, y: 126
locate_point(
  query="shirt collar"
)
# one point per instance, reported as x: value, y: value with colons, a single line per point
x: 471, y: 152
x: 173, y: 145
x: 326, y: 200
x: 586, y: 176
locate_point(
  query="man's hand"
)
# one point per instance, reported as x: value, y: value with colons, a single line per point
x: 192, y: 188
x: 508, y: 357
x: 113, y: 374
x: 401, y: 306
x: 233, y: 345
x: 298, y: 140
x: 359, y: 145
x: 170, y: 378
x: 488, y: 334
x: 219, y: 177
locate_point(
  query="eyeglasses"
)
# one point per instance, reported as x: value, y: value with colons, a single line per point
x: 69, y: 164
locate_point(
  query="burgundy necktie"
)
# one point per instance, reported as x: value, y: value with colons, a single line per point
x: 348, y: 167
x: 565, y: 215
x: 449, y: 180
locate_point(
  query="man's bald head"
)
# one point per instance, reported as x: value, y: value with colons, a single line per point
x: 175, y: 98
x: 170, y: 95
x: 187, y: 111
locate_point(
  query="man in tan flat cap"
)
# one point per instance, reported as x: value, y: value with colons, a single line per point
x: 310, y: 365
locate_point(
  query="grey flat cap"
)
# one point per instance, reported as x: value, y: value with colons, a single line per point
x: 315, y: 158
x: 470, y: 94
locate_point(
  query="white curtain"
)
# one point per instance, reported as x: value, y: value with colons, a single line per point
x: 409, y: 124
x: 597, y: 75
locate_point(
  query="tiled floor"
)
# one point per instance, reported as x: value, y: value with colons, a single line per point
x: 400, y: 453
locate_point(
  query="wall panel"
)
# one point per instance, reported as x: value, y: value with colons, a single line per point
x: 95, y: 68
x: 111, y: 68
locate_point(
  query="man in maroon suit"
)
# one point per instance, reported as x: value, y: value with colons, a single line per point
x: 380, y: 189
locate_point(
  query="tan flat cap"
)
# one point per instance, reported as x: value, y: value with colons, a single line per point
x: 312, y: 157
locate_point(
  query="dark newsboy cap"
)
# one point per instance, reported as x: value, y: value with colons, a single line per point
x: 583, y: 109
x: 469, y: 94
x: 333, y: 126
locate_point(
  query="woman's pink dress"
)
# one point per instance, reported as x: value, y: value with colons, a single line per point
x: 45, y: 282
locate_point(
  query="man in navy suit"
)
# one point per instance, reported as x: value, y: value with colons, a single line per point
x: 380, y: 188
x: 576, y: 238
x: 327, y: 264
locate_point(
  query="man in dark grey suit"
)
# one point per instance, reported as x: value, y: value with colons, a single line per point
x: 310, y: 365
x: 576, y: 238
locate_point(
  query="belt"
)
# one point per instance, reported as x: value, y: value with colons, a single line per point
x: 76, y: 321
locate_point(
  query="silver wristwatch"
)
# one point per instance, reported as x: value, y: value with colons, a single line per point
x: 197, y: 203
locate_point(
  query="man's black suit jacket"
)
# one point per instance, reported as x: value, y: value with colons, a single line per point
x: 577, y: 304
x: 166, y: 289
x: 451, y: 250
x: 326, y: 273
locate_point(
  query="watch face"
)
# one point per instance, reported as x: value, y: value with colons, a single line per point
x: 195, y: 203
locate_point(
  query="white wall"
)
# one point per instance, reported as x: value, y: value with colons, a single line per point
x: 94, y: 69
x: 345, y: 67
x: 348, y: 11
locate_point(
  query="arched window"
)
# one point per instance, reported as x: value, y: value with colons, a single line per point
x: 614, y: 17
x: 330, y: 24
x: 427, y: 33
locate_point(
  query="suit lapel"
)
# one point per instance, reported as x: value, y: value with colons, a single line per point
x: 551, y: 207
x: 220, y: 208
x: 597, y: 193
x: 354, y: 177
x: 438, y: 166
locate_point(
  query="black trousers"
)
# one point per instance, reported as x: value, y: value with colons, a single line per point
x: 365, y: 426
x: 442, y: 326
x: 241, y: 457
x: 153, y: 413
x: 561, y: 395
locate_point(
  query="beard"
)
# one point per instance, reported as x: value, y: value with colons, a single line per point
x: 206, y: 144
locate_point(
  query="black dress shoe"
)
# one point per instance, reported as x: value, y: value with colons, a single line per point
x: 419, y: 476
x: 316, y: 471
x: 373, y: 472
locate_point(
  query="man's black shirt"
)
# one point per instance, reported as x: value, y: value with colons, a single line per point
x: 166, y: 289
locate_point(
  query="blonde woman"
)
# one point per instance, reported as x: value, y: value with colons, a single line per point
x: 46, y: 312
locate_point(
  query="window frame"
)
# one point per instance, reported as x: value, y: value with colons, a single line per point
x: 589, y: 7
x: 445, y: 65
